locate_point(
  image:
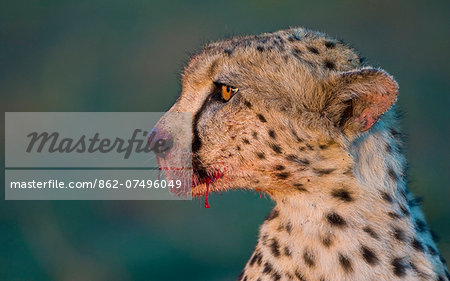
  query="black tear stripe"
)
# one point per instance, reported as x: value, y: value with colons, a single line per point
x: 199, y: 169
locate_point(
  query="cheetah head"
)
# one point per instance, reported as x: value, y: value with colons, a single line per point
x: 272, y: 112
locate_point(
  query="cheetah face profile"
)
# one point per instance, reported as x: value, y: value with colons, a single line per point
x: 264, y: 108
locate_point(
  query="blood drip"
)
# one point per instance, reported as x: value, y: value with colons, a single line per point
x: 206, y: 196
x: 159, y: 169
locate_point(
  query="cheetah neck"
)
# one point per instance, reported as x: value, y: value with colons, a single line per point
x: 359, y: 227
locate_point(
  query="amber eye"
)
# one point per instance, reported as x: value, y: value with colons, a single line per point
x: 228, y: 92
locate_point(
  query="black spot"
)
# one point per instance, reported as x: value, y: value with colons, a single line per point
x: 441, y: 278
x: 362, y: 60
x: 283, y: 175
x: 399, y: 267
x: 279, y: 167
x: 272, y: 134
x: 289, y: 227
x: 387, y: 197
x: 228, y: 52
x: 260, y: 48
x: 275, y: 247
x: 299, y: 276
x: 329, y: 44
x: 287, y: 251
x: 335, y: 219
x: 261, y: 118
x: 394, y: 215
x: 267, y: 268
x: 276, y: 148
x: 342, y: 194
x: 369, y: 255
x: 349, y: 171
x: 248, y: 104
x: 432, y: 250
x: 273, y: 214
x: 276, y: 276
x: 323, y: 146
x: 399, y: 234
x: 299, y: 187
x: 296, y: 159
x: 404, y: 211
x: 255, y: 135
x: 238, y: 148
x: 308, y: 257
x: 309, y: 146
x: 371, y: 232
x: 297, y: 53
x: 321, y: 172
x: 345, y: 263
x: 297, y: 138
x: 246, y: 141
x: 255, y: 258
x: 261, y: 155
x: 327, y: 241
x: 329, y: 64
x: 417, y: 245
x: 392, y: 174
x: 441, y: 258
x: 313, y: 50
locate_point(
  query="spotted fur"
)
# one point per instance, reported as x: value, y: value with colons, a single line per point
x: 316, y: 129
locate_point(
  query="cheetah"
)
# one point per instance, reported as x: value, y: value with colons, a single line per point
x: 298, y: 115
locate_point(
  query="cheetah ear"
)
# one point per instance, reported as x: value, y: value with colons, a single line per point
x: 363, y: 96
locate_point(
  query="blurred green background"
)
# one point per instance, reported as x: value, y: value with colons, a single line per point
x: 127, y: 56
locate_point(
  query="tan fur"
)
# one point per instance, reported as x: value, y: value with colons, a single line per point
x: 305, y: 128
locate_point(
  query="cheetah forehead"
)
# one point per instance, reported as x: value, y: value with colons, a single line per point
x: 288, y: 68
x: 288, y: 49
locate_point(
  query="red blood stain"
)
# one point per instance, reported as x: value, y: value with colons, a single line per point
x: 159, y: 168
x: 217, y: 174
x: 206, y: 196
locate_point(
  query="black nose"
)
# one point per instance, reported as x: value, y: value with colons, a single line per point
x: 160, y: 142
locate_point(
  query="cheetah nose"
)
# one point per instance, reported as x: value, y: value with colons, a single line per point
x: 160, y: 142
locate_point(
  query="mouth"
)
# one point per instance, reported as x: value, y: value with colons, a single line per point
x: 204, y: 179
x: 198, y: 181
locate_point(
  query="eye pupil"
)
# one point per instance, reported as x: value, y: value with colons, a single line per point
x: 228, y: 92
